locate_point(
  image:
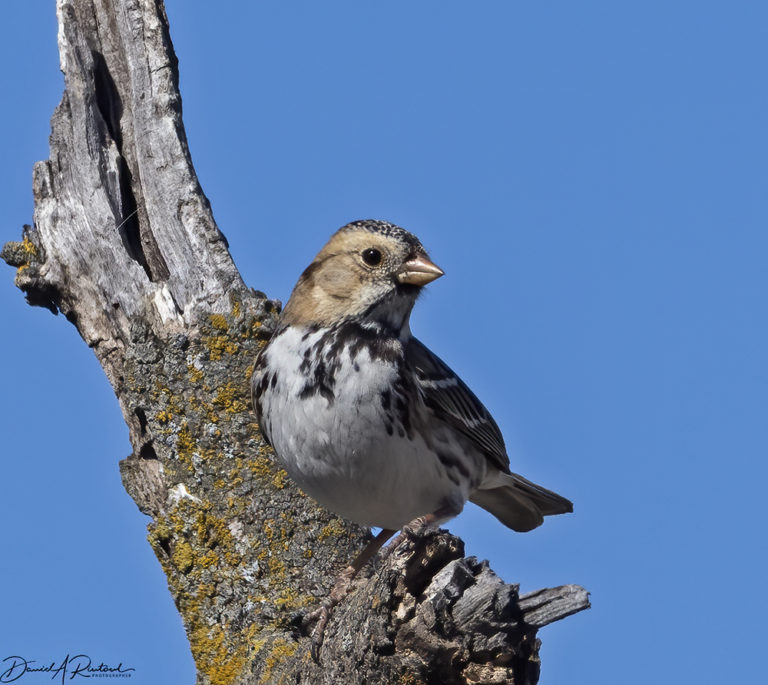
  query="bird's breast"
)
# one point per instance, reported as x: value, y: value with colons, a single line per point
x: 345, y: 424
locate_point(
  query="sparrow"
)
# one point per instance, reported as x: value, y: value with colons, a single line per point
x: 363, y: 416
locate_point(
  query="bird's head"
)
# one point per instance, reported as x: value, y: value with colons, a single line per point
x: 369, y: 271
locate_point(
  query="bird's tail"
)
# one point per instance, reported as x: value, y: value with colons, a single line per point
x: 520, y: 504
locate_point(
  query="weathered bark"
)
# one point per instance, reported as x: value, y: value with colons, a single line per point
x: 125, y: 246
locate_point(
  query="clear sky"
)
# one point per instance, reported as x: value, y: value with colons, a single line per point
x: 591, y: 176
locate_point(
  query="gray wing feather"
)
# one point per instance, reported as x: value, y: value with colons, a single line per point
x: 453, y: 402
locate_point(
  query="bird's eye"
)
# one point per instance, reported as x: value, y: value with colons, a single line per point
x: 371, y: 256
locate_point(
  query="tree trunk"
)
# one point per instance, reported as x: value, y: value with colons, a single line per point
x: 125, y: 246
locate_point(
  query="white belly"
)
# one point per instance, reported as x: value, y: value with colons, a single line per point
x: 340, y: 453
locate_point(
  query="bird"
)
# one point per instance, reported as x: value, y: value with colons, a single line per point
x: 364, y: 417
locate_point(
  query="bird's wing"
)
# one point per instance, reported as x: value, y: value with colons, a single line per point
x: 453, y: 402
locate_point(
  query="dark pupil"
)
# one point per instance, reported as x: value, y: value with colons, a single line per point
x: 372, y: 257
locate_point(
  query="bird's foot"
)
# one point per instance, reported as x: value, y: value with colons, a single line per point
x: 322, y: 615
x: 410, y: 532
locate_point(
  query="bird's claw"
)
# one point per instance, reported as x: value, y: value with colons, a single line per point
x: 416, y: 528
x: 410, y: 532
x: 322, y: 614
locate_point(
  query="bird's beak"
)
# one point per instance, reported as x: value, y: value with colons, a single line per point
x: 418, y: 271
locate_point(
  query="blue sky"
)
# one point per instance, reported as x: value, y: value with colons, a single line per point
x: 591, y: 176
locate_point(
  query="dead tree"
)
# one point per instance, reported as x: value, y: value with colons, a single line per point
x: 125, y: 246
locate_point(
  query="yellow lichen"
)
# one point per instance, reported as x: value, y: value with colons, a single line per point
x: 195, y: 374
x: 160, y: 530
x: 29, y: 247
x: 280, y: 480
x: 218, y: 321
x: 288, y: 598
x: 164, y: 416
x: 218, y: 345
x: 185, y: 446
x: 258, y: 645
x: 214, y: 534
x: 261, y: 467
x: 183, y: 557
x: 332, y: 529
x: 189, y: 540
x: 269, y: 531
x: 281, y: 650
x: 229, y: 398
x: 210, y: 558
x: 214, y: 656
x: 206, y: 590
